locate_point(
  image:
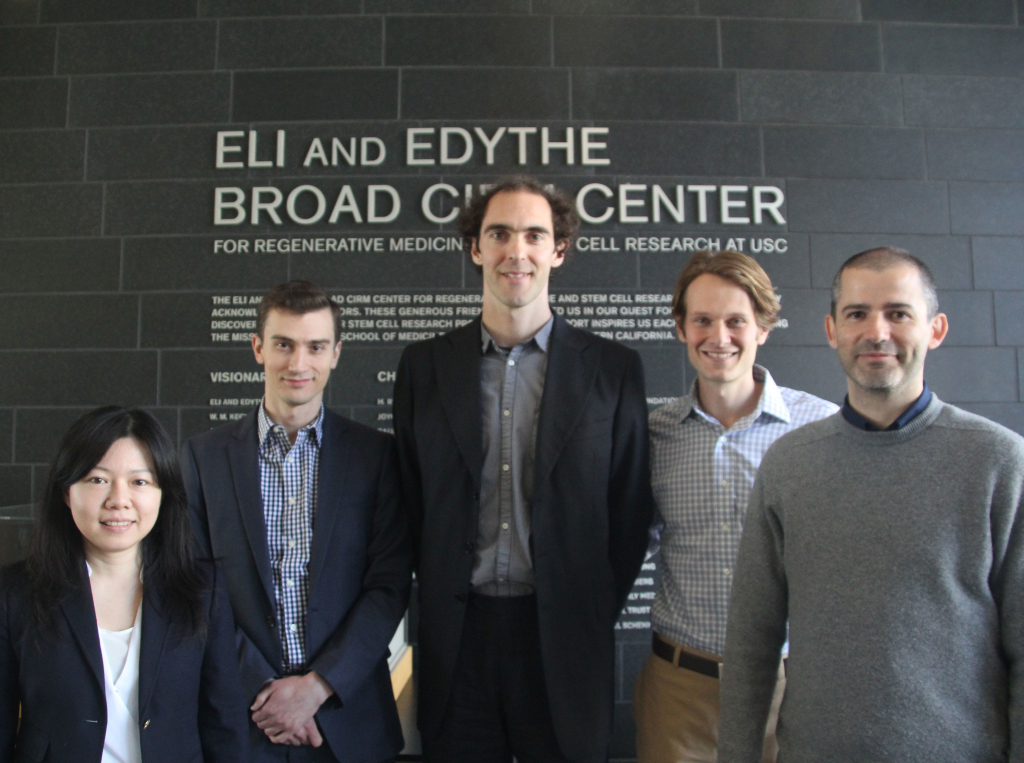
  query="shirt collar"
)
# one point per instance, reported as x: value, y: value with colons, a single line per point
x: 770, y: 402
x: 915, y: 410
x: 542, y: 337
x: 264, y: 425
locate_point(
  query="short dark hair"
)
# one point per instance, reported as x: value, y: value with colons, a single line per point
x: 56, y: 552
x: 883, y: 258
x: 739, y: 269
x: 564, y: 218
x: 298, y: 298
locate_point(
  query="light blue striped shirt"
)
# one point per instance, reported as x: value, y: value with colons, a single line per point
x: 702, y: 476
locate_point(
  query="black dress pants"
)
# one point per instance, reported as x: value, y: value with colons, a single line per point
x: 498, y: 707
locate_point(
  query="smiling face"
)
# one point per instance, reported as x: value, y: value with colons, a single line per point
x: 117, y: 502
x: 517, y: 250
x: 720, y: 331
x: 297, y: 353
x: 882, y: 331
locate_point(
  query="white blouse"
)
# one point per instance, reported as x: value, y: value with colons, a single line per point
x: 121, y: 681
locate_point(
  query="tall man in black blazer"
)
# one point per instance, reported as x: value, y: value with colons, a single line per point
x: 301, y: 508
x: 523, y: 450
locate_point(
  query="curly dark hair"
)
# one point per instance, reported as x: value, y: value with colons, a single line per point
x: 564, y: 217
x: 56, y: 553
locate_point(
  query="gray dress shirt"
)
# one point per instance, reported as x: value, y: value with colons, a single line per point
x: 511, y: 387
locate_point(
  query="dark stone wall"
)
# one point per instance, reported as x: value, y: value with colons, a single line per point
x: 883, y: 121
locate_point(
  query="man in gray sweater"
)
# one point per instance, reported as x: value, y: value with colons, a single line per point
x: 889, y: 537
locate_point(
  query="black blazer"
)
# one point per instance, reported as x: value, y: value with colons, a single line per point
x: 359, y: 572
x: 591, y: 509
x: 189, y: 691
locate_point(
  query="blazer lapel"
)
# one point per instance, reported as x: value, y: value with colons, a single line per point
x: 572, y: 368
x: 80, y: 612
x: 245, y: 472
x: 458, y: 372
x: 335, y: 452
x: 154, y: 636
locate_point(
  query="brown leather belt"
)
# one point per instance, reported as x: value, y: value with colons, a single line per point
x: 685, y: 660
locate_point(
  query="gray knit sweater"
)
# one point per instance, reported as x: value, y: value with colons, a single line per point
x: 898, y: 558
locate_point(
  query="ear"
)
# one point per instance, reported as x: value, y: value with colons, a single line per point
x: 679, y: 330
x: 830, y: 331
x: 474, y: 252
x: 939, y: 327
x: 762, y: 335
x: 257, y: 348
x: 560, y: 249
x: 337, y: 354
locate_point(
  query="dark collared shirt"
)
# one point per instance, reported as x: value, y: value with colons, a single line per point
x: 289, y: 475
x: 511, y: 387
x: 904, y: 418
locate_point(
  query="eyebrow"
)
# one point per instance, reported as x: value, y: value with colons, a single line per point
x: 289, y: 339
x: 504, y: 226
x: 886, y: 306
x: 132, y: 471
x: 704, y: 314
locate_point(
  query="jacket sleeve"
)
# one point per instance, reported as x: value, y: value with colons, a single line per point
x: 9, y: 696
x: 630, y: 499
x: 755, y: 632
x: 361, y: 640
x: 255, y: 669
x: 223, y: 710
x: 408, y: 460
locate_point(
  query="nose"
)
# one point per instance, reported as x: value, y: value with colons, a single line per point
x: 299, y: 359
x: 119, y: 495
x: 517, y: 250
x: 877, y: 328
x: 720, y: 332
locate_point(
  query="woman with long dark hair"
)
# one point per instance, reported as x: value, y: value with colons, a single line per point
x: 115, y: 644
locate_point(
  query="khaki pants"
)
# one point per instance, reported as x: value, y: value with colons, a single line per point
x: 676, y: 713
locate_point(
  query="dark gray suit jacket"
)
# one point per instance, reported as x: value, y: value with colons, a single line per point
x: 359, y: 572
x: 591, y: 509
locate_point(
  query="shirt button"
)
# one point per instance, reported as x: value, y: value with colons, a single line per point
x: 505, y: 467
x: 511, y: 362
x: 725, y: 527
x: 293, y: 627
x: 291, y: 501
x: 508, y: 412
x: 291, y: 544
x: 725, y: 483
x: 504, y: 525
x: 727, y: 571
x: 290, y: 583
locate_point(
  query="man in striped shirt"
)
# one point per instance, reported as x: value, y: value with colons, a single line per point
x: 705, y: 450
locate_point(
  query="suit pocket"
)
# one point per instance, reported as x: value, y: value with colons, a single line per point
x: 31, y: 746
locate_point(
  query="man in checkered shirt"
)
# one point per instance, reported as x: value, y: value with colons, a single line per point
x: 300, y: 507
x: 705, y: 451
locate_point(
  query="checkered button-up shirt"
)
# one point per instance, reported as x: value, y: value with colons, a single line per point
x: 702, y: 474
x: 289, y: 475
